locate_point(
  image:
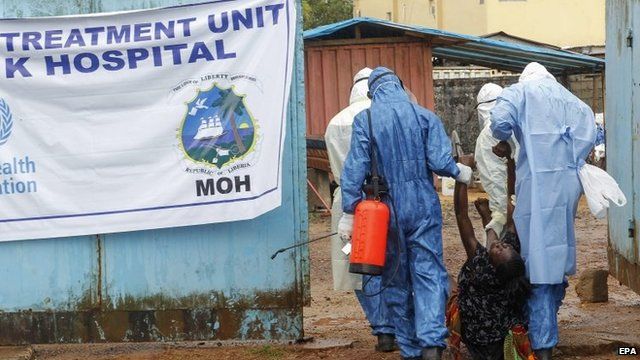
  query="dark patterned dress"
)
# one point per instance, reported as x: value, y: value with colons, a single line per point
x: 485, y: 310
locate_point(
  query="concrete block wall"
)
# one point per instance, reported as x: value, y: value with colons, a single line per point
x: 455, y: 101
x: 455, y: 104
x: 589, y: 89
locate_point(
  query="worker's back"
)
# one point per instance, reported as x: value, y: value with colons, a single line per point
x: 556, y: 131
x: 410, y: 144
x: 560, y: 121
x: 403, y: 157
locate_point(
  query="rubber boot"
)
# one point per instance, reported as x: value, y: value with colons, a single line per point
x: 386, y: 343
x: 432, y: 353
x: 543, y: 354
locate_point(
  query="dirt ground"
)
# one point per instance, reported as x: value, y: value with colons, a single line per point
x: 588, y: 331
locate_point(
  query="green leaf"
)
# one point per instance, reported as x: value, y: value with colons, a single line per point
x: 322, y: 12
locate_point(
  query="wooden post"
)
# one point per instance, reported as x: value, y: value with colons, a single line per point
x: 604, y: 94
x: 594, y: 97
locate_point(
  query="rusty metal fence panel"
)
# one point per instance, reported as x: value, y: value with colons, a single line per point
x: 623, y: 135
x: 330, y: 70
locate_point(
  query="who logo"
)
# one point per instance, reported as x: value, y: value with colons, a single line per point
x: 628, y: 351
x: 6, y: 122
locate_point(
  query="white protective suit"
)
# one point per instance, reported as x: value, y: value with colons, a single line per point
x: 486, y: 101
x: 338, y: 140
x: 492, y: 169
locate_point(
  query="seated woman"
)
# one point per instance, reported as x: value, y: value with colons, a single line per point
x: 492, y: 287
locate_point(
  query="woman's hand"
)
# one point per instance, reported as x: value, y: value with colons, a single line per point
x: 468, y: 160
x: 502, y: 149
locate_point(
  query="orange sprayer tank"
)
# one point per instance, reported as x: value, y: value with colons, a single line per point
x: 369, y: 238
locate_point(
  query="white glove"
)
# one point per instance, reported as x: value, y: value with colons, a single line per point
x: 498, y: 220
x: 600, y: 189
x: 466, y: 174
x: 345, y: 227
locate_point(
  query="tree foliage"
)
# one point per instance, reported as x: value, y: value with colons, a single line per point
x: 322, y: 12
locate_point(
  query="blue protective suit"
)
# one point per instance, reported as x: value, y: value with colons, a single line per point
x: 411, y: 144
x: 600, y: 134
x: 556, y: 132
x: 542, y: 308
x: 375, y: 309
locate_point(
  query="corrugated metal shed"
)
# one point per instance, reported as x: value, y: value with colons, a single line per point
x: 503, y: 36
x: 330, y: 66
x: 203, y: 282
x: 475, y: 50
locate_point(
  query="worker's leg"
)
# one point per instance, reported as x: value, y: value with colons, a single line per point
x: 430, y: 283
x: 543, y: 306
x: 342, y: 279
x: 398, y: 296
x: 375, y: 309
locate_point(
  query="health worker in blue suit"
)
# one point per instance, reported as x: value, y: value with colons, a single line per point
x: 338, y: 140
x: 410, y: 145
x: 556, y: 131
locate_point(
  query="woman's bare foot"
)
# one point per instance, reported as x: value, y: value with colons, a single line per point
x: 482, y: 205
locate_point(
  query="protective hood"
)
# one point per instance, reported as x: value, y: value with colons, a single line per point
x: 486, y: 101
x: 385, y: 84
x: 535, y: 71
x: 360, y: 86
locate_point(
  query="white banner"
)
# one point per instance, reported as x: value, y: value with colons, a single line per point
x: 144, y: 119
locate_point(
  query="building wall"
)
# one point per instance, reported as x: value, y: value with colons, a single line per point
x: 559, y: 22
x: 203, y: 282
x: 381, y: 9
x: 455, y: 101
x: 402, y: 11
x: 588, y: 88
x: 464, y: 16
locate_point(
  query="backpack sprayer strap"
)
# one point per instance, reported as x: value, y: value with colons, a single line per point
x: 375, y: 177
x: 379, y: 186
